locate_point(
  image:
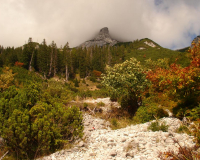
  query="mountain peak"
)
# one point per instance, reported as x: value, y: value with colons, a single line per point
x: 104, y: 31
x: 103, y: 35
x: 103, y: 38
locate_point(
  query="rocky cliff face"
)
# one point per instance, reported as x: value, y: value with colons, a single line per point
x: 103, y: 38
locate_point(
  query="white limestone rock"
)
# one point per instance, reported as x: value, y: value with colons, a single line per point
x: 133, y: 142
x: 151, y: 44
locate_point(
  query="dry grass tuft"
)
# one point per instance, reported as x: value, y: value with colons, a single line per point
x: 184, y: 153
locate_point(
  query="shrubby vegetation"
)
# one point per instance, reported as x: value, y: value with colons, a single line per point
x: 146, y: 113
x: 33, y: 113
x: 33, y: 121
x: 156, y: 126
x: 126, y: 81
x: 179, y: 83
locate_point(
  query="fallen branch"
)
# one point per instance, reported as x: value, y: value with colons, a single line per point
x: 4, y: 155
x: 92, y: 111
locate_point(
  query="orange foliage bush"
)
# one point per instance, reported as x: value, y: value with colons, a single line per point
x: 176, y: 79
x: 97, y: 73
x: 19, y: 64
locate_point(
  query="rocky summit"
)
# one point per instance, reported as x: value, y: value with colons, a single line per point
x: 103, y: 38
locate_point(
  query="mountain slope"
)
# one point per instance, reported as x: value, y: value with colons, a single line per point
x: 146, y: 48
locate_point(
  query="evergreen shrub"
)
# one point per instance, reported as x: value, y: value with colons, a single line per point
x: 99, y: 86
x: 84, y: 81
x: 84, y: 94
x: 76, y: 83
x: 93, y: 79
x: 155, y: 126
x: 32, y: 126
x: 147, y: 113
x: 101, y: 104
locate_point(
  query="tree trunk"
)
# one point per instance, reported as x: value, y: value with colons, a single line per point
x: 30, y: 63
x: 67, y: 73
x: 50, y: 69
x: 55, y: 63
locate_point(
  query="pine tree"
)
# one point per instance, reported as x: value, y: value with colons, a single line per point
x: 53, y: 59
x: 43, y: 58
x: 67, y: 58
x: 82, y: 63
x: 28, y: 54
x: 74, y: 62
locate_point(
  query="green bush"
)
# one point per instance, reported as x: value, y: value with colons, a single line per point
x: 24, y: 76
x: 100, y: 104
x: 155, y: 126
x: 58, y: 92
x: 148, y: 113
x: 73, y: 89
x: 126, y: 81
x: 84, y: 81
x: 85, y: 105
x: 192, y: 111
x: 84, y: 94
x: 32, y: 126
x: 76, y: 83
x: 93, y: 79
x: 182, y: 129
x: 114, y: 122
x: 101, y: 93
x: 99, y: 86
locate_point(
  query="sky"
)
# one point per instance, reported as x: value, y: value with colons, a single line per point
x: 171, y: 23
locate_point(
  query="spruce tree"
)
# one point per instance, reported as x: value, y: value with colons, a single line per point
x: 82, y: 62
x: 43, y: 58
x: 67, y: 58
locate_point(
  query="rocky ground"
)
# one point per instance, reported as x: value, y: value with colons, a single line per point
x: 133, y: 142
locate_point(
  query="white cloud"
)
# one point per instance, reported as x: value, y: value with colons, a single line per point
x: 169, y: 23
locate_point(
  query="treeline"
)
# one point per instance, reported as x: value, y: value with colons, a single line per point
x: 49, y: 60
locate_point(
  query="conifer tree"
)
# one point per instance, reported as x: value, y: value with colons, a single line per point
x: 67, y: 58
x: 43, y: 58
x: 28, y: 54
x: 53, y: 59
x: 74, y: 61
x: 82, y: 65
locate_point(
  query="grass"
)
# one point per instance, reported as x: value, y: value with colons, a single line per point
x: 183, y: 129
x: 85, y: 84
x: 192, y: 129
x: 101, y: 104
x: 184, y: 153
x: 156, y: 126
x: 117, y: 117
x: 120, y: 123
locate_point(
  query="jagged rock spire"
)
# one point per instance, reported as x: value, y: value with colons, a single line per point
x: 103, y: 38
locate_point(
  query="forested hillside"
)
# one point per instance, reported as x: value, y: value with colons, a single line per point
x: 49, y: 60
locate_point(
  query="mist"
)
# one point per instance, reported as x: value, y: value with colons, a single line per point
x: 172, y: 24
